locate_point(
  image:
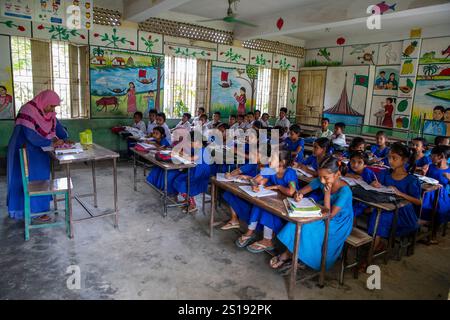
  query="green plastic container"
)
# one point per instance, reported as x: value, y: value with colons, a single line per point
x: 86, y: 137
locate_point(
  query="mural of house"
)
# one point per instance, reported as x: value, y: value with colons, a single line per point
x: 118, y: 61
x: 98, y: 60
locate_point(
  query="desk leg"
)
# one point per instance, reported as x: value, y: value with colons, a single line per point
x: 213, y: 209
x: 374, y: 235
x: 434, y: 220
x: 188, y: 186
x: 70, y: 200
x: 116, y: 207
x: 293, y: 280
x: 324, y: 254
x: 55, y: 198
x: 94, y: 184
x: 134, y: 171
x: 165, y: 193
x: 391, y: 240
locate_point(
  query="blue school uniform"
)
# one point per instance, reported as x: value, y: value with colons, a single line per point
x: 311, y: 161
x: 381, y: 153
x: 291, y: 146
x: 240, y: 206
x: 264, y: 217
x: 156, y: 175
x: 312, y: 234
x: 407, y: 217
x: 425, y: 160
x: 38, y: 165
x: 199, y: 175
x: 367, y: 176
x: 443, y: 207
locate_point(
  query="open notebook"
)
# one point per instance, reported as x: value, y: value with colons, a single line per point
x: 262, y: 193
x: 353, y: 182
x: 221, y: 177
x: 75, y: 148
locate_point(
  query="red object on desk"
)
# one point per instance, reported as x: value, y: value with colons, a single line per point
x: 117, y: 129
x: 140, y: 148
x: 376, y: 169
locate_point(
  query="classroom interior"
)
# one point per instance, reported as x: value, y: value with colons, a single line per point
x: 308, y: 60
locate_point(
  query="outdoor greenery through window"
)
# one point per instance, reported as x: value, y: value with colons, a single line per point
x: 263, y: 89
x: 180, y: 83
x: 22, y: 70
x: 60, y: 76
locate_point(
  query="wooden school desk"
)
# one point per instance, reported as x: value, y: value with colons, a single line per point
x: 436, y: 188
x: 275, y: 205
x: 165, y: 166
x: 91, y: 153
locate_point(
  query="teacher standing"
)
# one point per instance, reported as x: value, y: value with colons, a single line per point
x: 36, y: 126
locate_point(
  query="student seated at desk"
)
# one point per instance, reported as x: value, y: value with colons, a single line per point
x: 439, y: 170
x: 338, y: 138
x: 184, y: 122
x: 324, y: 132
x: 138, y: 123
x: 407, y: 186
x: 199, y: 175
x: 337, y: 197
x: 257, y: 115
x: 151, y: 121
x: 265, y: 120
x: 380, y: 151
x: 357, y: 169
x: 239, y: 208
x: 320, y: 150
x: 357, y: 144
x: 241, y: 124
x: 249, y: 118
x: 161, y: 122
x: 283, y: 179
x: 294, y: 144
x: 440, y: 141
x: 283, y: 121
x: 422, y: 161
x: 156, y: 175
x: 200, y: 112
x: 215, y: 121
x: 232, y: 121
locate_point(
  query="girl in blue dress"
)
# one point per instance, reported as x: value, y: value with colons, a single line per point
x: 283, y: 179
x: 156, y: 175
x: 199, y: 175
x: 357, y: 144
x: 337, y: 199
x: 422, y: 161
x: 357, y: 169
x: 36, y: 126
x: 407, y: 186
x: 439, y: 170
x: 294, y: 144
x: 321, y: 148
x: 380, y: 151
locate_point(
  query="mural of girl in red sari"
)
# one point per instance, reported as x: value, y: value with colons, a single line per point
x: 131, y: 98
x: 241, y: 99
x: 388, y: 111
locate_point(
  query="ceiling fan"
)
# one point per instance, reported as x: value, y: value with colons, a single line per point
x: 231, y: 16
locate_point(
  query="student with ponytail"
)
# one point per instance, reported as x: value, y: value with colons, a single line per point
x: 406, y: 186
x: 337, y: 197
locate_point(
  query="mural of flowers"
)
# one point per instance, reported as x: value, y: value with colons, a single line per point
x: 149, y: 43
x: 60, y: 33
x: 292, y: 91
x: 231, y: 56
x: 11, y: 24
x: 113, y: 40
x: 284, y: 65
x: 187, y: 52
x: 260, y: 60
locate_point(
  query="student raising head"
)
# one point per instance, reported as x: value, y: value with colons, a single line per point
x: 406, y: 186
x: 324, y: 132
x: 294, y: 144
x: 338, y: 137
x: 151, y: 121
x: 337, y: 199
x: 161, y: 122
x: 138, y: 123
x: 321, y: 149
x: 422, y: 161
x: 380, y: 151
x: 357, y: 144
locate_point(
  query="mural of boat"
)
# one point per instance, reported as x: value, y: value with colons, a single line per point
x: 224, y: 82
x: 117, y: 90
x: 142, y: 74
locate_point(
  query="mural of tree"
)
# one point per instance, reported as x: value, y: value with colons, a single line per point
x: 252, y: 76
x: 158, y: 64
x: 113, y: 40
x: 149, y: 43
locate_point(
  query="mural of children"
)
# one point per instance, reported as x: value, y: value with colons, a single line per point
x: 150, y: 101
x: 436, y: 127
x: 6, y: 107
x: 241, y: 99
x: 131, y: 99
x: 381, y: 81
x: 392, y: 84
x: 388, y: 111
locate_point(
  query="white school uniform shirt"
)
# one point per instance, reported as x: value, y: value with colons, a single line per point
x: 150, y: 127
x: 235, y: 126
x: 339, y: 140
x: 326, y: 134
x: 186, y: 125
x: 140, y: 125
x: 167, y: 132
x: 283, y: 123
x: 196, y: 121
x: 264, y: 124
x: 249, y: 125
x: 211, y: 124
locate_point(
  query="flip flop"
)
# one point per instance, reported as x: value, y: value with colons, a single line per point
x: 246, y: 242
x: 277, y: 263
x: 229, y: 226
x: 261, y: 248
x: 42, y: 219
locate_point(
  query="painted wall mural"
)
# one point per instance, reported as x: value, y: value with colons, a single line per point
x: 6, y: 83
x: 324, y: 57
x: 360, y: 54
x: 233, y: 54
x: 150, y: 42
x: 233, y: 88
x: 59, y: 33
x: 123, y: 82
x: 113, y: 37
x: 15, y: 27
x: 293, y: 89
x: 346, y: 93
x: 283, y: 62
x: 386, y: 80
x: 435, y: 50
x: 261, y: 58
x: 188, y: 52
x: 389, y: 53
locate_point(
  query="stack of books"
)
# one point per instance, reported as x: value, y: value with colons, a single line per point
x: 305, y: 208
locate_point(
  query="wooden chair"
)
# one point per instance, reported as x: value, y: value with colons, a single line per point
x: 356, y: 240
x: 42, y: 188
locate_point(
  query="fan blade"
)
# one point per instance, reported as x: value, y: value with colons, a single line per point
x: 244, y: 23
x: 210, y: 20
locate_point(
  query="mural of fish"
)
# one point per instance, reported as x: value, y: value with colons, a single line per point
x: 383, y: 7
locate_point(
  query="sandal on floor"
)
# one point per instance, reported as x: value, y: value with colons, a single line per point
x: 244, y: 241
x: 260, y: 248
x: 230, y: 225
x: 190, y: 209
x: 42, y: 219
x: 276, y: 262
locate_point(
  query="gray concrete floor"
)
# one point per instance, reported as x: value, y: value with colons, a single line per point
x: 150, y: 257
